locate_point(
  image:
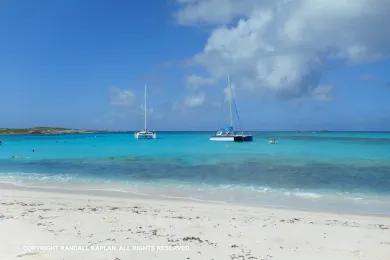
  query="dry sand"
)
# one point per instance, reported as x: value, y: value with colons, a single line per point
x: 55, y: 225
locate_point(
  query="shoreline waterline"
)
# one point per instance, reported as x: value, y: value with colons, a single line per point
x: 148, y: 196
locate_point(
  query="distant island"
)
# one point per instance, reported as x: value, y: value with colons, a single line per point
x: 46, y: 130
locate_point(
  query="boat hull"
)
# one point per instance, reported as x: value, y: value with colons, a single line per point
x: 143, y: 135
x: 222, y: 138
x: 243, y: 138
x: 235, y: 138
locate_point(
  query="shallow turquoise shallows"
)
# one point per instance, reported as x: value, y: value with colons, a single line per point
x: 336, y: 171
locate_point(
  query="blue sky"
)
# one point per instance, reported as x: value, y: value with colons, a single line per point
x: 83, y: 64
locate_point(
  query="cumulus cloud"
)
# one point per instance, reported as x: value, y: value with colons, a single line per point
x: 195, y: 81
x: 121, y: 97
x: 283, y: 46
x: 212, y: 11
x: 195, y: 99
x: 323, y: 93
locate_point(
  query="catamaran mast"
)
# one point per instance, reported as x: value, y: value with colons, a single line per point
x: 145, y: 109
x: 230, y: 101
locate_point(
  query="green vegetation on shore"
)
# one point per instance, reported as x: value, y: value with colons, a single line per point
x: 43, y: 130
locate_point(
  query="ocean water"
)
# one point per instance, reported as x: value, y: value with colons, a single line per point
x: 329, y: 171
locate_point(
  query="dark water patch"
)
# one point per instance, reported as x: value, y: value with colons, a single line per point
x: 310, y: 176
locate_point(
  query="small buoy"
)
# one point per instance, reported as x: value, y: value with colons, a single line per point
x: 273, y: 141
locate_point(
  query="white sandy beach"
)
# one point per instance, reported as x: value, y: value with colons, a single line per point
x: 55, y: 225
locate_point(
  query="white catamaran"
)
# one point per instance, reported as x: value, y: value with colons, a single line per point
x: 145, y: 134
x: 228, y: 134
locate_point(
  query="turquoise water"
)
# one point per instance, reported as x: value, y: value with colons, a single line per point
x: 336, y: 171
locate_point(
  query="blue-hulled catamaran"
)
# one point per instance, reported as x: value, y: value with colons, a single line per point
x: 228, y: 134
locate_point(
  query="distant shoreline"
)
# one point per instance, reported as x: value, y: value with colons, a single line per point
x: 47, y: 131
x: 62, y: 130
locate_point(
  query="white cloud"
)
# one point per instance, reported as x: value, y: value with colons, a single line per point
x: 195, y: 100
x: 121, y: 97
x: 282, y: 46
x: 195, y: 81
x: 323, y: 93
x: 212, y: 11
